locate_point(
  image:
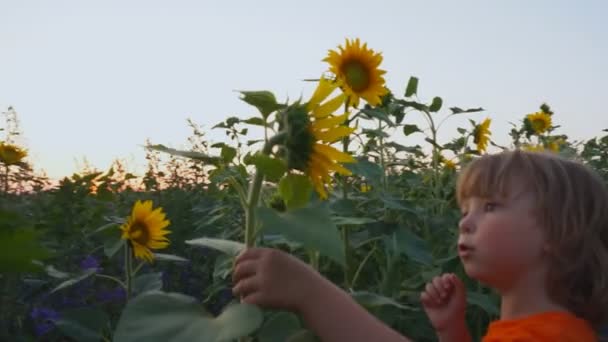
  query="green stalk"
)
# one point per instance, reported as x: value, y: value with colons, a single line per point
x: 345, y: 231
x: 255, y: 188
x: 128, y: 269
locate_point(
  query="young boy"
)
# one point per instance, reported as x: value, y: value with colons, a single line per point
x: 534, y: 227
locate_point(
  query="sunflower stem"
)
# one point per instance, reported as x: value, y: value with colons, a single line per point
x: 255, y: 188
x: 345, y: 230
x: 128, y: 269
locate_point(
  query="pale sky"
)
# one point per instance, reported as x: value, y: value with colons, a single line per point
x: 94, y: 79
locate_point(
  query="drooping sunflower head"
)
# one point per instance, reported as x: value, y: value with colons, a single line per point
x: 540, y: 122
x: 145, y: 230
x: 311, y: 129
x: 481, y: 135
x: 357, y: 70
x: 11, y: 154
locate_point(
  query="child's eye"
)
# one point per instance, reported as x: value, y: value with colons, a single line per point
x: 489, y: 206
x: 464, y: 214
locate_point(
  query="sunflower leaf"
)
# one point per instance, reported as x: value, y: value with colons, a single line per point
x: 272, y: 168
x: 263, y: 100
x: 159, y: 316
x: 456, y: 110
x: 312, y: 226
x: 188, y: 154
x: 80, y: 277
x: 409, y: 129
x: 412, y: 86
x: 83, y: 324
x: 226, y: 246
x: 295, y: 190
x: 436, y: 104
x: 255, y: 121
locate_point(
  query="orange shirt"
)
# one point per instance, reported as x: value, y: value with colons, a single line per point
x: 548, y: 326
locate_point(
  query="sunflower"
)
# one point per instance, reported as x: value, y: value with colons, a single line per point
x: 145, y: 230
x: 539, y: 121
x: 365, y: 188
x: 356, y: 69
x: 11, y: 154
x: 533, y: 148
x: 311, y: 130
x: 481, y: 134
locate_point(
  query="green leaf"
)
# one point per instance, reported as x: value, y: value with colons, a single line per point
x: 188, y: 154
x: 228, y: 153
x: 18, y: 249
x: 226, y: 246
x: 409, y: 129
x: 295, y: 190
x: 80, y: 277
x: 351, y: 221
x: 112, y: 246
x: 83, y: 324
x: 436, y: 104
x: 279, y: 327
x: 148, y: 282
x: 264, y: 101
x: 272, y: 168
x: 310, y: 226
x: 373, y: 300
x: 363, y: 167
x: 412, y: 87
x: 378, y: 114
x: 456, y: 110
x: 418, y: 106
x: 483, y: 301
x: 55, y: 273
x: 158, y: 316
x: 255, y: 121
x: 415, y: 248
x: 168, y: 257
x: 461, y: 130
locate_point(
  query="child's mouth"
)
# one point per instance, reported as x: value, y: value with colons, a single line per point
x: 464, y: 250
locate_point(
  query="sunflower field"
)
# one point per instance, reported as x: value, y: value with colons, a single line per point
x: 112, y: 256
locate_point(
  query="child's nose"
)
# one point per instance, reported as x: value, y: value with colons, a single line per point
x: 466, y: 225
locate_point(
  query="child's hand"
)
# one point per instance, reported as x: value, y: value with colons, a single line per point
x: 444, y: 301
x: 273, y: 279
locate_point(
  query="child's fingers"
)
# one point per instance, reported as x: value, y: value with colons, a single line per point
x: 249, y: 253
x: 245, y: 287
x: 433, y: 293
x: 440, y: 285
x: 244, y: 269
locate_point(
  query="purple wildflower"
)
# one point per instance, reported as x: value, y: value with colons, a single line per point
x: 90, y: 262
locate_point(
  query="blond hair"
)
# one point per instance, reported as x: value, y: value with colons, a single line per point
x: 572, y: 206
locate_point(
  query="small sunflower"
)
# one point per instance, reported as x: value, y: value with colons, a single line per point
x: 449, y: 164
x: 11, y: 154
x: 481, y: 135
x: 356, y: 68
x: 365, y: 188
x: 533, y: 148
x: 539, y: 121
x: 311, y: 130
x: 145, y: 230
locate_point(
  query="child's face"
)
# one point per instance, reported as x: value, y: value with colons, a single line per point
x: 500, y: 240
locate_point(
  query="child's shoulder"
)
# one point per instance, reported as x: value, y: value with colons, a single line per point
x: 548, y: 326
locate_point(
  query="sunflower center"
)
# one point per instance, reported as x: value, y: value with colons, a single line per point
x: 140, y: 233
x: 539, y: 124
x: 357, y: 75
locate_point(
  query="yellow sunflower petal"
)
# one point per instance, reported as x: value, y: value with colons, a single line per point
x: 324, y: 88
x: 329, y: 107
x: 333, y: 153
x: 334, y: 134
x: 329, y: 122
